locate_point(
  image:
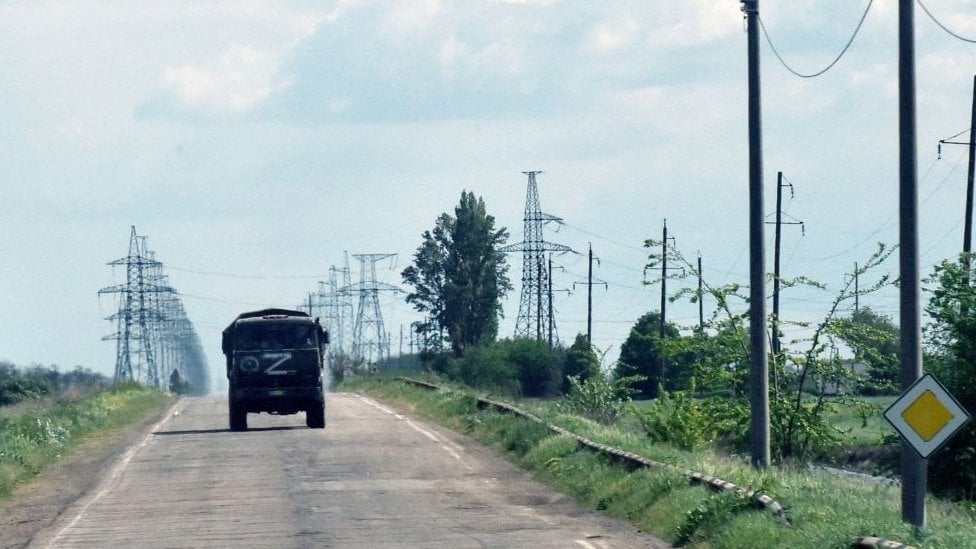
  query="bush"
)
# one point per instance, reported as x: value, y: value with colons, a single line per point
x: 537, y: 366
x: 487, y: 367
x: 680, y: 419
x: 598, y: 398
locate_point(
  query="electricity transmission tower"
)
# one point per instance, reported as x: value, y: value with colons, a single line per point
x: 535, y: 303
x: 134, y: 357
x: 335, y: 300
x: 153, y: 335
x: 370, y: 342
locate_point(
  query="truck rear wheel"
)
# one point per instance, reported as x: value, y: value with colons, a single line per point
x: 238, y: 417
x: 315, y: 416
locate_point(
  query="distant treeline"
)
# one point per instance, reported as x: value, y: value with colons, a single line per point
x: 18, y: 384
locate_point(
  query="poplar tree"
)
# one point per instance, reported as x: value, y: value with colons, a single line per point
x: 459, y: 276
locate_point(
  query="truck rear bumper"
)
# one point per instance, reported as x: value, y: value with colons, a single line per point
x: 278, y: 400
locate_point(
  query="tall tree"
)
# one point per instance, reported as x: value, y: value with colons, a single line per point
x: 459, y: 276
x: 641, y: 353
x: 581, y: 361
x: 874, y: 338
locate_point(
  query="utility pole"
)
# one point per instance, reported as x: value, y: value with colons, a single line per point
x: 550, y: 301
x: 589, y: 294
x: 664, y: 300
x: 857, y: 289
x: 538, y: 303
x: 967, y: 238
x: 913, y: 466
x: 967, y: 244
x: 701, y: 296
x: 777, y: 347
x: 759, y: 368
x: 589, y: 297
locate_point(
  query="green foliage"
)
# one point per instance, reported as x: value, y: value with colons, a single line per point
x: 519, y: 367
x: 487, y: 367
x: 826, y: 510
x: 951, y: 340
x: 30, y: 441
x: 18, y: 384
x: 689, y: 423
x: 642, y: 353
x: 580, y: 362
x: 801, y: 430
x: 875, y: 340
x: 717, y: 510
x: 598, y: 398
x: 459, y: 276
x: 536, y: 364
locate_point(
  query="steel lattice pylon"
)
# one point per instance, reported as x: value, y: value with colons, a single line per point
x: 137, y: 315
x: 370, y: 342
x: 534, y: 305
x: 154, y: 338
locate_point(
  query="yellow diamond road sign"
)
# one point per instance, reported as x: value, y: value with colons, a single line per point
x: 926, y: 415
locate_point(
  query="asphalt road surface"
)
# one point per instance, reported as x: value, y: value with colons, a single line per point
x: 372, y: 478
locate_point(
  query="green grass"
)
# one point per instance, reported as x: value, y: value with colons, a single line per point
x: 35, y: 434
x: 825, y: 510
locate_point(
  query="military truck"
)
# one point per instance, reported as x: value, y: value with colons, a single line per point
x: 274, y: 365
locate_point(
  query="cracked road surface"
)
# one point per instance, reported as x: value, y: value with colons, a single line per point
x: 374, y: 477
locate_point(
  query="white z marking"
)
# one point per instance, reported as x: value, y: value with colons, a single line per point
x: 273, y: 369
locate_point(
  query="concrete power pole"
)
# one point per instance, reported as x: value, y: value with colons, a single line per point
x: 777, y: 277
x: 759, y: 368
x: 914, y: 474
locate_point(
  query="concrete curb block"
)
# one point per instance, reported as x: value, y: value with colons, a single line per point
x: 878, y: 543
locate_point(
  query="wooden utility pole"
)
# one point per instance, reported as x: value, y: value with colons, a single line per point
x: 759, y: 368
x: 913, y: 466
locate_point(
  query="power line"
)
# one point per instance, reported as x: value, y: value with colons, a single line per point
x: 832, y: 63
x: 247, y: 277
x: 941, y: 26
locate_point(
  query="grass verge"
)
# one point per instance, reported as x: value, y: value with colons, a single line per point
x: 37, y: 436
x: 825, y: 510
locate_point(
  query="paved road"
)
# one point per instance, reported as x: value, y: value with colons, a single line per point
x: 372, y: 478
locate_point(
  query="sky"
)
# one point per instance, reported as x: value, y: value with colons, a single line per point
x: 255, y: 143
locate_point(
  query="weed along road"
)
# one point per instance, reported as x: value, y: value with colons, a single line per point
x: 372, y: 478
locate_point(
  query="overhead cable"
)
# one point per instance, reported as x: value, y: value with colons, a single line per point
x: 941, y: 26
x: 832, y: 63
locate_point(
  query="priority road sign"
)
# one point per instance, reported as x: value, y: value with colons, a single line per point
x: 926, y: 415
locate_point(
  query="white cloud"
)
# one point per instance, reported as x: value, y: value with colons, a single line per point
x: 241, y: 78
x: 608, y: 37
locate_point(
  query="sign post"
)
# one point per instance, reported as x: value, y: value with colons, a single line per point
x: 926, y: 415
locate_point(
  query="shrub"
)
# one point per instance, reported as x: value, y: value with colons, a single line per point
x: 538, y: 369
x: 680, y: 419
x: 598, y: 398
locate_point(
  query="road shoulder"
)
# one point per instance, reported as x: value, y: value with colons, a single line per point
x: 36, y: 505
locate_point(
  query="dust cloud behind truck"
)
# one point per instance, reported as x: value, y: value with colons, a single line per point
x: 274, y: 365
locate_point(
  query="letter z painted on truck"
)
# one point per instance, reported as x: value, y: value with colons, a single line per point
x: 274, y: 365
